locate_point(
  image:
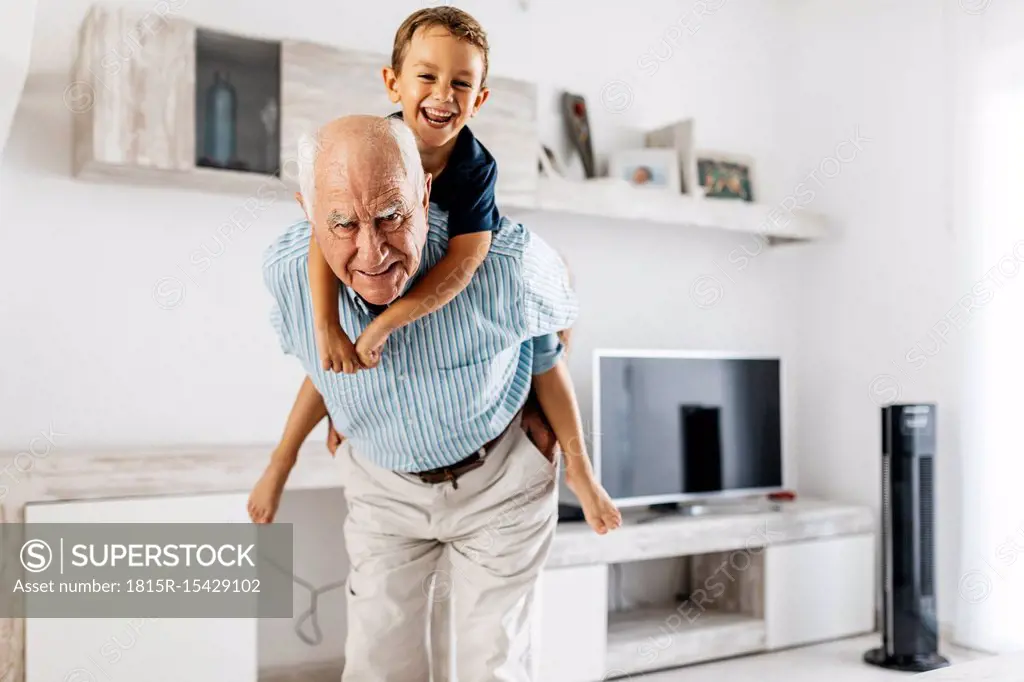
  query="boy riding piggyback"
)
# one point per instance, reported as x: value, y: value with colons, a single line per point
x: 437, y: 77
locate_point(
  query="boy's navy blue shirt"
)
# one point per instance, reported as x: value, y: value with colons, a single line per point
x: 465, y: 188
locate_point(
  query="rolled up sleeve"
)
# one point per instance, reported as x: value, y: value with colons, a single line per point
x: 547, y: 351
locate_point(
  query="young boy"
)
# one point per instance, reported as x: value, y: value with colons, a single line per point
x: 437, y: 75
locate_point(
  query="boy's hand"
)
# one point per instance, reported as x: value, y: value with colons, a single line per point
x: 337, y: 353
x: 334, y: 439
x: 370, y: 343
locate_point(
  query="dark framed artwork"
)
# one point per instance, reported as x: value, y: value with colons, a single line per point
x: 726, y: 177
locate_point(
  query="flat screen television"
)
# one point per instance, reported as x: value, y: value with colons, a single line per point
x: 673, y: 427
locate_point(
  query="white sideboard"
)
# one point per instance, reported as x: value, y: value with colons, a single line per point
x: 134, y: 649
x: 757, y: 582
x: 790, y: 577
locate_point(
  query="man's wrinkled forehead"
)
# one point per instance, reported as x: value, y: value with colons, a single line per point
x: 369, y: 178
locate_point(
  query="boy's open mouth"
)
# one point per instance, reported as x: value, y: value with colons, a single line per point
x: 436, y: 118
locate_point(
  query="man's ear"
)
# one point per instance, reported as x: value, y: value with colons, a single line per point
x: 480, y: 99
x: 302, y: 205
x: 391, y: 83
x: 426, y: 191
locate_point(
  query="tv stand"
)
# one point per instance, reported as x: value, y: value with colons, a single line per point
x: 743, y: 506
x: 759, y: 576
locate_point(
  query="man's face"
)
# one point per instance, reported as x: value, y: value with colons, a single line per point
x: 369, y: 223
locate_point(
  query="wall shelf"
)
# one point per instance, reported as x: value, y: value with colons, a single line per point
x: 613, y: 200
x: 147, y: 125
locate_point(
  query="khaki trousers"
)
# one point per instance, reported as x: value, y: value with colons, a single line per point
x: 429, y: 552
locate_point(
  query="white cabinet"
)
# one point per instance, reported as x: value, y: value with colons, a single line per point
x: 130, y: 650
x: 133, y: 96
x: 819, y: 590
x: 572, y: 626
x: 140, y: 84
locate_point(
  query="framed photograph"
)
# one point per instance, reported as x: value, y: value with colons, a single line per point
x: 656, y: 168
x: 726, y: 176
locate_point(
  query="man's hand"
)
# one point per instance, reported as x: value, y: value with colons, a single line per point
x: 334, y: 439
x: 538, y: 430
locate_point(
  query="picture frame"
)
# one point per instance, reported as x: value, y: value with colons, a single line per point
x: 724, y: 175
x: 646, y: 167
x: 679, y: 136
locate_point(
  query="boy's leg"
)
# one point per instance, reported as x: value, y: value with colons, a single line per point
x: 507, y: 512
x: 535, y: 422
x: 391, y: 568
x: 537, y: 427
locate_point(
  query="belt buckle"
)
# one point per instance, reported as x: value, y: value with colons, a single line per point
x: 448, y: 473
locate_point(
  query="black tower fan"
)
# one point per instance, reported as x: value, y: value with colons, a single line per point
x: 910, y: 634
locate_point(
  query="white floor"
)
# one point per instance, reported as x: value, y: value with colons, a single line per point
x: 839, y: 661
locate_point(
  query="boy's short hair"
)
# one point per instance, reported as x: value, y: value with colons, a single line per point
x: 458, y: 23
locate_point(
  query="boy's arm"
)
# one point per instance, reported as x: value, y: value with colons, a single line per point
x: 308, y: 411
x: 472, y: 216
x: 335, y: 349
x: 439, y: 285
x: 323, y: 286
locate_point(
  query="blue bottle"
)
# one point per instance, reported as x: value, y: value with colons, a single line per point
x: 221, y: 137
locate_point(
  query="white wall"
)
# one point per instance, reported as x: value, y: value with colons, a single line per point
x: 873, y: 304
x: 990, y: 102
x: 209, y: 369
x: 88, y: 349
x: 15, y: 49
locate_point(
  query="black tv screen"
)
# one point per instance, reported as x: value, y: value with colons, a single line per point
x: 681, y: 428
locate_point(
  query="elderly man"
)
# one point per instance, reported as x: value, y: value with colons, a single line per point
x: 435, y: 462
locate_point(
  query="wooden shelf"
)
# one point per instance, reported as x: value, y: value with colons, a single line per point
x: 804, y: 519
x: 663, y: 637
x: 145, y: 125
x: 616, y: 201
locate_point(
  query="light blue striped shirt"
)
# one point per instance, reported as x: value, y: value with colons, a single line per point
x: 451, y: 381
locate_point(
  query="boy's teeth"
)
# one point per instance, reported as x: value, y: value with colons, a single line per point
x: 437, y: 115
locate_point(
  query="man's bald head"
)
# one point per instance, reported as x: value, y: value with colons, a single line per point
x: 364, y: 192
x: 380, y: 142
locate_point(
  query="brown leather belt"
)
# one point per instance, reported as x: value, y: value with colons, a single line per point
x: 452, y: 472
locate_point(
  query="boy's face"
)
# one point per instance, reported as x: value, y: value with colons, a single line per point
x: 439, y: 86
